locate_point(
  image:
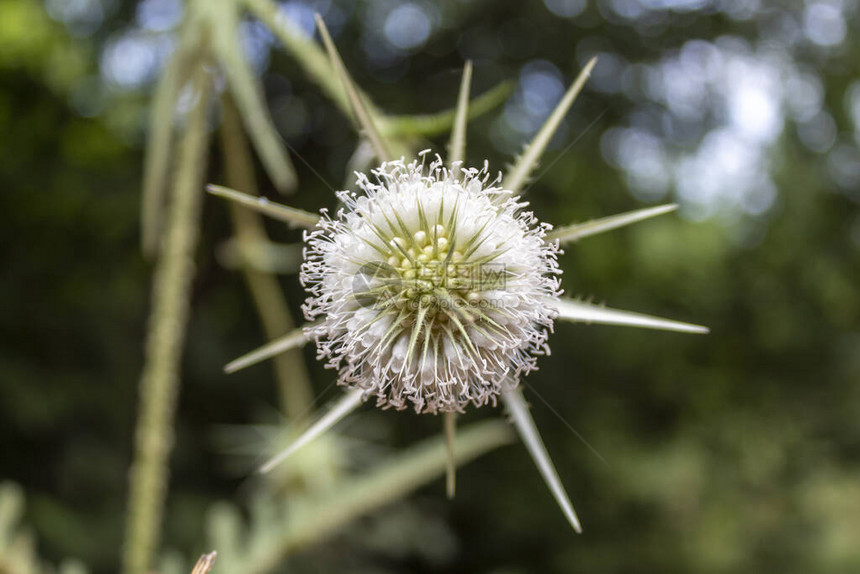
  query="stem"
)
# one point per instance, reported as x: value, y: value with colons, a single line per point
x: 451, y: 458
x: 316, y: 520
x: 160, y: 380
x: 307, y: 53
x: 290, y: 370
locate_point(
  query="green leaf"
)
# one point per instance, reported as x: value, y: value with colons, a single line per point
x: 289, y: 215
x: 341, y: 408
x: 293, y: 340
x: 517, y: 175
x: 581, y: 311
x: 525, y: 425
x: 457, y: 146
x: 365, y: 120
x: 576, y: 231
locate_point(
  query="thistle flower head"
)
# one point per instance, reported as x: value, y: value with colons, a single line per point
x: 433, y: 288
x: 436, y: 288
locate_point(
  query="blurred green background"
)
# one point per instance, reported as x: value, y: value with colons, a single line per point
x: 735, y: 452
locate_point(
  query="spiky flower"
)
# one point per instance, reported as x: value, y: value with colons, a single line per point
x: 433, y: 288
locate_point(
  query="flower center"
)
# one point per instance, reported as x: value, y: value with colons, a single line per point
x: 425, y: 274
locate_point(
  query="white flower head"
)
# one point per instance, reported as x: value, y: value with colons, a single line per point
x: 433, y: 288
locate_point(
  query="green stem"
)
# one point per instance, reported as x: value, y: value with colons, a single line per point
x: 314, y: 521
x: 290, y: 371
x: 160, y: 380
x: 307, y: 53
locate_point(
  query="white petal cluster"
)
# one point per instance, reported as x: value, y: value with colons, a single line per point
x: 432, y: 289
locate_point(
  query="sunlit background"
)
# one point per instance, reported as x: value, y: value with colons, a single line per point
x: 727, y: 453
